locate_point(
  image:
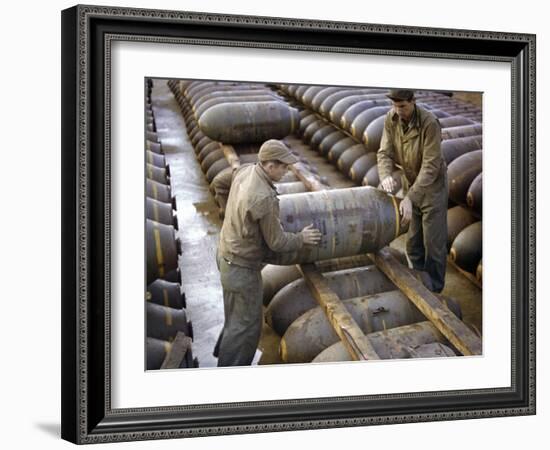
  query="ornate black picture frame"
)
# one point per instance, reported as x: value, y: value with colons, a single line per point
x: 87, y: 35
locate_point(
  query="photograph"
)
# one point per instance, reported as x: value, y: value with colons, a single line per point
x: 277, y: 224
x: 292, y: 223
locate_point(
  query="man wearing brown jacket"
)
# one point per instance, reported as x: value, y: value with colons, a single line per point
x: 412, y: 141
x: 251, y: 230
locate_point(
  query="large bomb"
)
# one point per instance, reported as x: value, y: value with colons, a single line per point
x: 236, y: 123
x: 275, y: 277
x: 311, y: 333
x: 461, y: 172
x: 352, y: 221
x: 466, y: 250
x: 408, y: 341
x: 295, y: 298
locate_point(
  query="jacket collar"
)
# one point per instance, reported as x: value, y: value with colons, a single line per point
x: 263, y: 175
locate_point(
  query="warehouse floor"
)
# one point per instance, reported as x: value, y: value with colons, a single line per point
x: 199, y: 231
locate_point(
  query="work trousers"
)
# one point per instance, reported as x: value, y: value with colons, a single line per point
x: 242, y: 301
x: 427, y: 237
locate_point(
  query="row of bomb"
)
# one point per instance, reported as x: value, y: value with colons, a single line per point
x: 345, y: 125
x: 227, y: 122
x: 169, y: 333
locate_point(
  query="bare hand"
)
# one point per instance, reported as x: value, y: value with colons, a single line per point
x: 310, y: 235
x: 388, y: 184
x: 405, y: 209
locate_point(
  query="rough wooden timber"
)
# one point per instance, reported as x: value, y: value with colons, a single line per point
x: 180, y: 346
x: 444, y: 320
x: 306, y: 177
x: 231, y: 156
x: 344, y: 325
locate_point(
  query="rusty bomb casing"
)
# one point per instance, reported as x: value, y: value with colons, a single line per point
x: 352, y: 221
x: 311, y: 333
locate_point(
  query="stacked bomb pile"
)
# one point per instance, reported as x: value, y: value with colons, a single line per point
x: 464, y: 234
x: 394, y: 325
x: 242, y: 115
x: 209, y: 151
x: 165, y: 301
x: 346, y: 125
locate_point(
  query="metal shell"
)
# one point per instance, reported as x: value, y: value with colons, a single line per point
x: 164, y: 322
x: 321, y: 134
x: 461, y: 131
x: 157, y: 174
x: 363, y: 120
x: 234, y: 123
x: 341, y: 106
x: 372, y: 177
x: 454, y: 121
x: 275, y: 277
x: 155, y: 159
x: 373, y: 134
x: 475, y: 193
x: 353, y: 111
x: 295, y: 299
x: 158, y: 191
x: 311, y: 333
x: 458, y: 218
x: 325, y: 146
x: 466, y: 251
x: 395, y: 343
x: 339, y: 147
x: 160, y: 212
x: 162, y: 250
x: 348, y: 157
x: 361, y: 166
x: 166, y: 293
x: 352, y: 221
x: 461, y: 172
x: 453, y: 148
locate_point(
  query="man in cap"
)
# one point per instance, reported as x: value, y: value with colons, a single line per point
x: 251, y: 230
x: 412, y: 141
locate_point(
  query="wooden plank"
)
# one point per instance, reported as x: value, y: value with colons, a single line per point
x: 357, y: 344
x: 180, y: 346
x: 231, y: 156
x: 443, y: 319
x: 305, y: 176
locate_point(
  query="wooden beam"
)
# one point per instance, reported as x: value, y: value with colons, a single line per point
x: 231, y: 156
x: 357, y: 344
x: 180, y: 345
x: 309, y: 179
x: 443, y: 319
x: 346, y: 262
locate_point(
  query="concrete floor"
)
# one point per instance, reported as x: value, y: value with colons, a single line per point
x: 199, y: 234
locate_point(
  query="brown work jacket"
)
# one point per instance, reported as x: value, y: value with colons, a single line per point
x: 251, y: 227
x: 417, y: 152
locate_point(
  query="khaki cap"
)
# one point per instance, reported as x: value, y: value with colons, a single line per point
x: 400, y: 95
x: 276, y: 150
